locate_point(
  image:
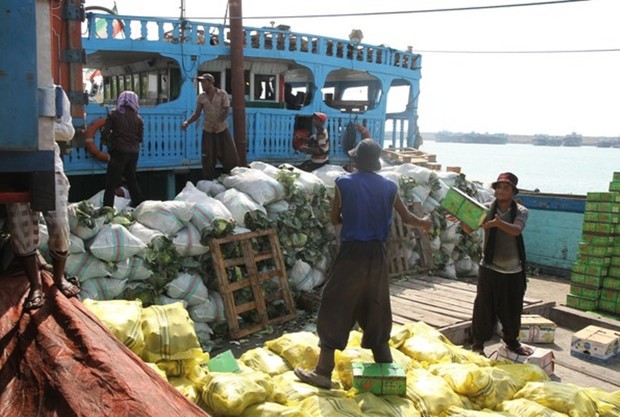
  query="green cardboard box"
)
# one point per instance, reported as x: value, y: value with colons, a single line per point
x: 380, y: 378
x: 464, y: 208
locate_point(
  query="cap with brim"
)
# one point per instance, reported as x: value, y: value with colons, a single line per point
x: 367, y: 155
x: 508, y: 178
x: 206, y: 76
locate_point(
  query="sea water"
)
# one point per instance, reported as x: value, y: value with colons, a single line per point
x: 564, y: 170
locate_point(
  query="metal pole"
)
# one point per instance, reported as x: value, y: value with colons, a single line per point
x: 238, y: 79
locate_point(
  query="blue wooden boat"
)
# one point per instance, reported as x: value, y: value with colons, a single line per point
x: 553, y: 231
x: 288, y: 76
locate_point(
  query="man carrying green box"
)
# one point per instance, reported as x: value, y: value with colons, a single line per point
x: 501, y: 277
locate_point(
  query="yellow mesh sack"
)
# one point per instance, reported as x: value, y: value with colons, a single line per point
x: 607, y: 403
x: 502, y: 388
x: 169, y: 334
x: 523, y: 373
x: 300, y: 349
x: 563, y: 397
x: 331, y: 407
x: 431, y: 394
x: 228, y: 394
x: 469, y: 379
x: 526, y: 408
x: 264, y: 360
x: 296, y: 391
x: 385, y: 405
x: 399, y: 334
x: 122, y: 318
x: 157, y: 369
x: 185, y: 387
x: 269, y: 409
x: 461, y: 412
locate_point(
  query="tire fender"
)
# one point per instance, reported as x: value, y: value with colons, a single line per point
x: 89, y: 136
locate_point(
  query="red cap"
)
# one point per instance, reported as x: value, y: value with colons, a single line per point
x: 321, y: 116
x: 509, y: 178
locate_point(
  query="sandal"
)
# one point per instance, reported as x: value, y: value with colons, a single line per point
x: 522, y: 350
x: 312, y: 378
x: 35, y: 300
x: 68, y: 288
x: 479, y: 351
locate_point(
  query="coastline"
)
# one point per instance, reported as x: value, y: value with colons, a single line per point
x: 525, y: 139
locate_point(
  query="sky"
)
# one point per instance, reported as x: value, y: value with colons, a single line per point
x: 466, y: 85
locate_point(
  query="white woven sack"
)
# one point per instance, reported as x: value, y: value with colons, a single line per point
x: 165, y: 300
x: 187, y: 242
x: 239, y: 203
x: 85, y: 266
x: 145, y: 234
x: 166, y: 216
x: 188, y: 287
x: 76, y: 245
x: 102, y: 288
x: 307, y: 181
x: 191, y: 194
x: 268, y: 169
x: 206, y: 209
x: 261, y: 187
x: 115, y: 243
x: 204, y: 312
x: 211, y: 188
x: 120, y: 203
x: 328, y: 174
x: 133, y: 269
x: 78, y: 229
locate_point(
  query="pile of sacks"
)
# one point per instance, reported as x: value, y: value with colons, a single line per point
x: 158, y: 252
x: 442, y: 379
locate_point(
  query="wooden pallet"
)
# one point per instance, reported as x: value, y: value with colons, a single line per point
x: 397, y: 243
x: 249, y: 274
x: 413, y: 156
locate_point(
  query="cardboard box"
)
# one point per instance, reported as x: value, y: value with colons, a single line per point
x: 580, y: 303
x: 541, y: 357
x: 534, y: 329
x: 464, y: 208
x: 380, y: 378
x: 595, y: 344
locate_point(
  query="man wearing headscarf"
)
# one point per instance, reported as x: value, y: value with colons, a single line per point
x: 358, y: 287
x: 124, y: 129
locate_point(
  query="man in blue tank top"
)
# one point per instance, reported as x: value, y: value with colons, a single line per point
x: 358, y: 288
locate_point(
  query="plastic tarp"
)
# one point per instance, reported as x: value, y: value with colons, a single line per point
x: 61, y: 361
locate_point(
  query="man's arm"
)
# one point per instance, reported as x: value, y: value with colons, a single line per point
x: 193, y: 117
x: 409, y: 218
x: 511, y: 229
x: 336, y: 218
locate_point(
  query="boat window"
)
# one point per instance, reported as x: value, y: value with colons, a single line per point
x: 264, y: 87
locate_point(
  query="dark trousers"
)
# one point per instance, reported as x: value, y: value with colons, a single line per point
x: 122, y: 164
x: 357, y: 290
x: 218, y: 146
x: 499, y: 296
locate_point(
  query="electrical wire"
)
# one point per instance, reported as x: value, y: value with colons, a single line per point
x: 450, y: 9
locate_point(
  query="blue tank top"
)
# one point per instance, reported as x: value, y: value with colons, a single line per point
x: 367, y: 203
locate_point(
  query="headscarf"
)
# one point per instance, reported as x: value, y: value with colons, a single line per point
x: 127, y: 99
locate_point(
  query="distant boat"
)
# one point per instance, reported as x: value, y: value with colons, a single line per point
x: 573, y: 139
x: 546, y: 140
x: 473, y: 137
x: 607, y: 143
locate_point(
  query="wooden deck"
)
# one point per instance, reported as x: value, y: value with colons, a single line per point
x: 444, y: 304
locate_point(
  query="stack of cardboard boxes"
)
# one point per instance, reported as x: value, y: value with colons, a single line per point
x: 595, y: 278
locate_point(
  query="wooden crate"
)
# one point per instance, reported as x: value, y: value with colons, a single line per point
x: 397, y: 242
x: 255, y: 264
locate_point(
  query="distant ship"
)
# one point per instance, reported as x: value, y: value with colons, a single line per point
x: 573, y: 139
x: 607, y: 143
x: 496, y: 139
x: 546, y: 140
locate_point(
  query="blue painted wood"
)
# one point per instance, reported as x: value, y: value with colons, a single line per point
x: 18, y: 79
x: 554, y: 202
x: 552, y: 237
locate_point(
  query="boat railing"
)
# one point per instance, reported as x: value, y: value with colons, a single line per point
x: 109, y: 30
x: 167, y: 147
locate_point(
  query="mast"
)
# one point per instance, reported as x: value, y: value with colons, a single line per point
x: 238, y: 79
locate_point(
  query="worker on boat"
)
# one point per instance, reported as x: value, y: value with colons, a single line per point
x: 317, y: 145
x: 501, y: 276
x: 358, y: 287
x: 217, y: 143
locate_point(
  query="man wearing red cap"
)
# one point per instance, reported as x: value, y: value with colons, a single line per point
x: 501, y: 277
x: 317, y: 145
